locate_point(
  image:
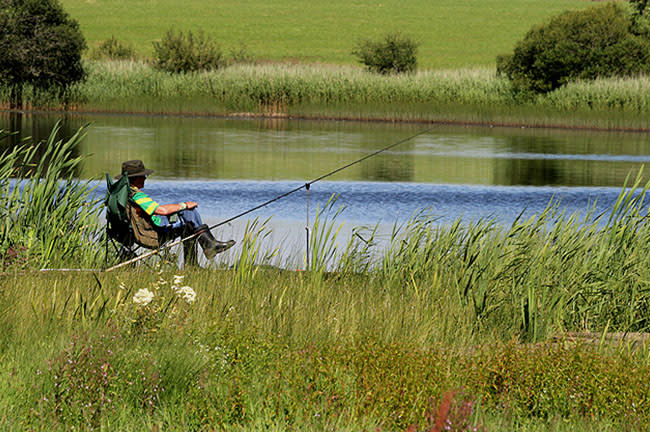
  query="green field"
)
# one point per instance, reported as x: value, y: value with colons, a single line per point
x: 453, y: 33
x: 297, y: 62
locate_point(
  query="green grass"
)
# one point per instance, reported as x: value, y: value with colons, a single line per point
x: 468, y: 322
x: 452, y: 33
x: 282, y: 350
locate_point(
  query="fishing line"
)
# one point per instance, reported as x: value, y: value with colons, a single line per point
x: 277, y: 198
x: 307, y: 232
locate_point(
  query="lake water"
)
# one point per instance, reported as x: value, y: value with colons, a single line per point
x: 231, y: 165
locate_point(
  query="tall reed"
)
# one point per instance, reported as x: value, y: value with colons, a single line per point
x: 476, y: 94
x: 49, y: 217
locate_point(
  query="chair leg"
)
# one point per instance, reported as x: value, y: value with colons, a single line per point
x: 190, y: 255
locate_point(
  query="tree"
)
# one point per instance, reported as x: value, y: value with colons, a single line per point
x: 595, y: 42
x: 40, y: 45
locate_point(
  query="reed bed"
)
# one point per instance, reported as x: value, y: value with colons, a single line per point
x: 472, y: 95
x: 48, y: 215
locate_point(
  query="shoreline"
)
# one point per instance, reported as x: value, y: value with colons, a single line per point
x: 465, y: 97
x: 325, y: 118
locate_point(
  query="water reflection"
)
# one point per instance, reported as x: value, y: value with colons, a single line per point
x: 534, y: 171
x: 389, y: 166
x: 275, y: 149
x: 22, y: 129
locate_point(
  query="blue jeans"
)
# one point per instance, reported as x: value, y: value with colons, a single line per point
x: 188, y: 220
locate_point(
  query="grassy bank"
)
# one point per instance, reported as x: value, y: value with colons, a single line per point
x: 465, y: 325
x: 465, y: 95
x: 452, y: 33
x: 286, y: 350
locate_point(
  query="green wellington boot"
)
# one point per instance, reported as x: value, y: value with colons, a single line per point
x: 211, y: 247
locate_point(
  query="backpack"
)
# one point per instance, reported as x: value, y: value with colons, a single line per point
x: 123, y: 223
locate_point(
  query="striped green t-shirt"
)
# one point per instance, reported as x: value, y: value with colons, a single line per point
x: 146, y: 204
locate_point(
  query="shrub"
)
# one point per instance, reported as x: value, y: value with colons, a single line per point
x: 394, y: 53
x: 586, y: 44
x: 115, y: 50
x: 180, y: 52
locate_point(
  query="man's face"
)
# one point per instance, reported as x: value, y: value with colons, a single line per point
x: 137, y: 181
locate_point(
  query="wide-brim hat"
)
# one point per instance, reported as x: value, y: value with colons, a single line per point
x: 134, y: 168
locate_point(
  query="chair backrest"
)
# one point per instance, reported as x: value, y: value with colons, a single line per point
x: 143, y: 230
x: 118, y: 226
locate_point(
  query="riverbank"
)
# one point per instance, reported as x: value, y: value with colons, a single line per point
x: 465, y: 324
x: 276, y: 350
x: 464, y: 96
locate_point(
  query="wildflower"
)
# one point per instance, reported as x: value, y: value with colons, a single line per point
x: 187, y: 293
x: 178, y: 279
x: 143, y: 297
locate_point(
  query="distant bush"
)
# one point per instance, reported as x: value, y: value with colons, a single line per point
x: 586, y: 44
x: 114, y: 49
x: 393, y: 53
x: 180, y: 52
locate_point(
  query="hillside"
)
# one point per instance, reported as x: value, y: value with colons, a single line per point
x: 453, y: 33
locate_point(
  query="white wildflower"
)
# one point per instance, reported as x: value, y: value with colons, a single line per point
x: 187, y: 293
x: 143, y: 297
x: 178, y: 281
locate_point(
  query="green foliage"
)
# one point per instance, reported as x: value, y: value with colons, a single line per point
x: 114, y: 49
x: 40, y: 45
x: 83, y: 381
x: 246, y: 265
x: 51, y: 217
x: 551, y: 379
x: 186, y: 52
x: 428, y: 336
x: 322, y: 237
x: 596, y: 42
x: 640, y: 6
x: 393, y: 53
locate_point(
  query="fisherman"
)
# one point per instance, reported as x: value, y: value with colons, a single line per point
x: 171, y: 219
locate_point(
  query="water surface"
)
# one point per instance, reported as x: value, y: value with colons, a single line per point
x: 231, y: 165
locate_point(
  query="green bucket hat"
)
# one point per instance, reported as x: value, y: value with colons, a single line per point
x: 134, y: 168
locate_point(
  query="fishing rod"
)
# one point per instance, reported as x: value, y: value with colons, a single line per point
x: 277, y: 198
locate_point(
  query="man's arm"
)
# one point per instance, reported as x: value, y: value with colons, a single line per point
x: 169, y: 209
